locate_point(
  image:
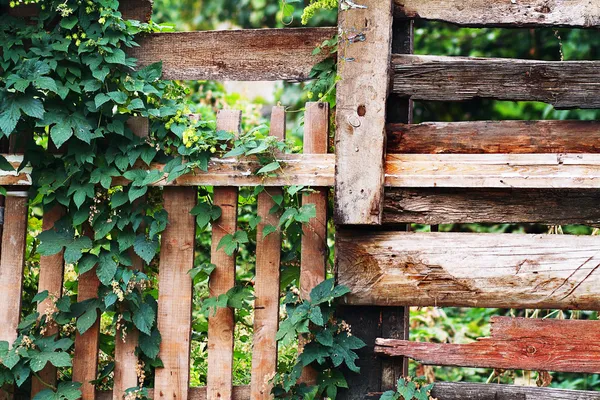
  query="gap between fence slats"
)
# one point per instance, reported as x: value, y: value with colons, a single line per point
x: 533, y: 13
x: 470, y: 269
x: 50, y: 279
x: 266, y: 302
x: 475, y: 205
x: 515, y: 343
x: 175, y: 294
x: 563, y: 84
x: 482, y: 137
x: 221, y: 325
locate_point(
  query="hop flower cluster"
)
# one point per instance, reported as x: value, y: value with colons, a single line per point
x: 315, y: 6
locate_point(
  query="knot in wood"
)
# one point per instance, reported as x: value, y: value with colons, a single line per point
x: 531, y: 350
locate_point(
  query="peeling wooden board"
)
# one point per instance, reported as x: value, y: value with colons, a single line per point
x: 494, y: 170
x: 140, y: 10
x: 475, y: 205
x: 363, y: 64
x: 515, y: 343
x: 194, y: 393
x: 221, y: 325
x: 532, y: 13
x: 236, y: 55
x: 482, y: 137
x: 470, y: 269
x: 266, y: 289
x: 563, y: 84
x: 174, y: 317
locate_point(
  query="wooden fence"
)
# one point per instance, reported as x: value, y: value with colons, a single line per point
x: 385, y: 170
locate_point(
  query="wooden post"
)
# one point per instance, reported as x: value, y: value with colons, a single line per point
x: 266, y: 303
x: 364, y: 59
x: 221, y: 325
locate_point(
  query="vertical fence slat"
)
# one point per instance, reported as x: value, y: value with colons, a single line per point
x: 175, y: 294
x: 51, y: 279
x: 313, y: 258
x: 266, y: 289
x: 221, y: 325
x: 125, y: 375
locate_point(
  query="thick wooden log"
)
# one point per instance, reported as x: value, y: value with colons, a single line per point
x: 237, y: 55
x: 481, y: 391
x: 475, y: 205
x: 482, y: 137
x: 140, y: 10
x: 470, y: 269
x: 363, y: 64
x: 563, y: 84
x: 566, y: 171
x: 534, y: 13
x: 515, y: 343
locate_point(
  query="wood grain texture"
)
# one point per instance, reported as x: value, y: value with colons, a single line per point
x: 85, y: 358
x: 50, y: 279
x: 266, y: 289
x: 475, y: 205
x: 481, y: 391
x: 12, y: 264
x: 237, y: 55
x: 515, y: 343
x: 175, y: 294
x: 533, y: 13
x: 194, y: 393
x: 483, y: 137
x: 565, y: 171
x: 221, y: 325
x: 131, y: 9
x: 563, y: 84
x: 363, y: 64
x: 470, y: 269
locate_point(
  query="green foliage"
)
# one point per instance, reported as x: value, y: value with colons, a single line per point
x: 409, y: 389
x: 316, y: 6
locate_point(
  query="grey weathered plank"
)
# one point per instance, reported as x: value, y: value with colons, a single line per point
x: 566, y: 84
x: 236, y: 55
x: 475, y: 205
x: 469, y: 269
x: 363, y: 65
x: 535, y: 13
x: 481, y: 137
x: 481, y: 391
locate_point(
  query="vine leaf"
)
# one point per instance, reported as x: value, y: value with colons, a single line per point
x: 149, y: 344
x: 143, y: 318
x: 65, y: 391
x: 145, y: 248
x: 107, y: 268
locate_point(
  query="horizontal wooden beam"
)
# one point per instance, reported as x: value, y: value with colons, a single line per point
x: 515, y: 343
x: 390, y: 268
x: 482, y: 391
x: 140, y: 10
x: 474, y: 205
x: 236, y: 55
x: 195, y: 393
x: 564, y: 84
x: 534, y: 13
x: 494, y: 170
x: 482, y: 137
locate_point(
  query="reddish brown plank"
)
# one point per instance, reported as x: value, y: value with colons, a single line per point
x: 494, y: 137
x: 515, y: 343
x: 364, y: 67
x: 50, y: 279
x: 221, y: 325
x: 175, y: 294
x: 266, y: 289
x: 12, y: 264
x: 237, y: 55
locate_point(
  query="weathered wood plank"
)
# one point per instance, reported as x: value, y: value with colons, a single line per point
x: 221, y: 325
x: 50, y: 279
x: 174, y: 318
x: 140, y: 10
x: 363, y: 64
x: 236, y: 55
x: 482, y: 137
x: 266, y: 289
x: 494, y: 170
x: 194, y: 393
x: 515, y: 343
x: 475, y: 205
x: 12, y: 264
x: 564, y: 84
x: 534, y: 13
x: 481, y: 391
x: 470, y: 269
